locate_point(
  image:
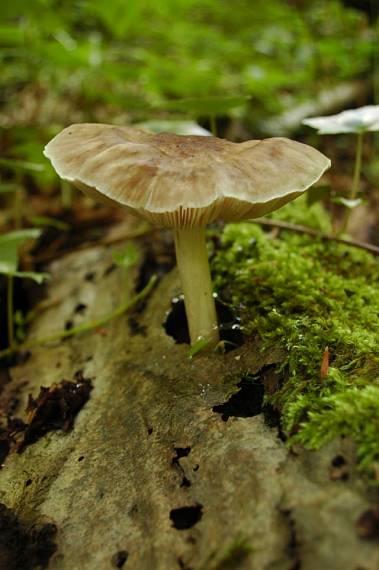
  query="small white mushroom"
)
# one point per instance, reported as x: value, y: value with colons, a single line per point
x: 357, y: 120
x: 186, y: 182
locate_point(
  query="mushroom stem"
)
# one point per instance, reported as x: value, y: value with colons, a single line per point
x: 193, y: 265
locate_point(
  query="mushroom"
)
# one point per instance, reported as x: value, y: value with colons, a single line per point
x: 358, y: 120
x: 184, y: 183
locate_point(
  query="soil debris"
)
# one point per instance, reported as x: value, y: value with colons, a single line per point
x: 368, y: 524
x: 55, y: 408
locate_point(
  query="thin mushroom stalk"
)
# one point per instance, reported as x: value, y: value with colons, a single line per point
x: 195, y: 276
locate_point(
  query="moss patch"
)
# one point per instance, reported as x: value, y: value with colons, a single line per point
x: 305, y: 295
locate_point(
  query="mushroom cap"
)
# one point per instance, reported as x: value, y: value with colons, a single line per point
x: 184, y: 181
x: 357, y: 120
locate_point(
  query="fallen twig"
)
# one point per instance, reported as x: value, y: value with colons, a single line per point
x: 309, y: 231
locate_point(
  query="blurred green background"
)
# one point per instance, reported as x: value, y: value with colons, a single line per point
x: 129, y: 61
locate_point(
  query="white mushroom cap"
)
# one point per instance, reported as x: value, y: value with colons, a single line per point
x: 184, y: 181
x: 357, y: 120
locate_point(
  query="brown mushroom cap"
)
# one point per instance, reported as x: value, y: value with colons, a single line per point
x: 184, y: 181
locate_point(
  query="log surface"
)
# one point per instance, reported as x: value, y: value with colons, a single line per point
x: 147, y: 453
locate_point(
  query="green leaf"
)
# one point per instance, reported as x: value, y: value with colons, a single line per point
x: 8, y: 187
x: 11, y: 35
x: 37, y: 277
x: 50, y: 222
x: 9, y: 246
x: 128, y: 257
x: 14, y: 164
x: 207, y: 105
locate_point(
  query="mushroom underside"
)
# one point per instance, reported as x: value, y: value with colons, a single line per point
x: 225, y: 208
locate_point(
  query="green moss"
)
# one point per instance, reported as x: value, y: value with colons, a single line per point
x: 304, y: 295
x: 230, y: 557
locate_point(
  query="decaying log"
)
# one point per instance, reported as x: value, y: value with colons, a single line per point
x: 151, y: 477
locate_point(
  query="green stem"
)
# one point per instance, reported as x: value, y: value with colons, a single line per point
x: 213, y: 124
x: 10, y: 311
x: 17, y: 208
x: 193, y: 265
x: 85, y: 326
x: 356, y: 178
x: 357, y: 167
x: 66, y: 194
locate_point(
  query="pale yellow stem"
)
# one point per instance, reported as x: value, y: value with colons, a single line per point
x: 193, y: 265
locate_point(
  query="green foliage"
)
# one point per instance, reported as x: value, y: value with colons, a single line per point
x: 129, y: 62
x: 127, y: 257
x: 10, y: 244
x: 46, y: 221
x: 139, y: 54
x: 8, y: 188
x: 17, y: 165
x: 304, y: 295
x: 302, y: 212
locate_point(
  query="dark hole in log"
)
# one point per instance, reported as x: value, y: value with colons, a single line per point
x: 119, y: 559
x: 81, y: 458
x: 80, y: 308
x: 186, y: 517
x: 90, y: 276
x: 28, y: 482
x: 339, y: 469
x: 338, y: 461
x: 245, y: 403
x: 109, y: 269
x: 176, y: 324
x: 180, y: 452
x: 68, y: 325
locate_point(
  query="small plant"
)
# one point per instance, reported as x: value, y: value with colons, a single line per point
x: 356, y: 121
x: 10, y: 244
x: 17, y: 167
